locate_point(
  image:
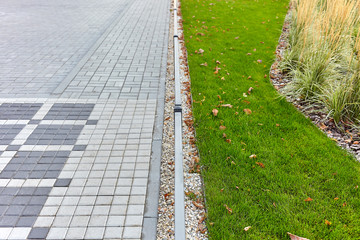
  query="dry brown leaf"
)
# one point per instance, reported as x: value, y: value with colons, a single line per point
x: 252, y: 156
x: 250, y: 89
x: 224, y: 135
x: 247, y: 228
x: 336, y: 198
x: 227, y: 105
x: 217, y: 70
x: 309, y: 199
x: 294, y: 237
x: 260, y: 164
x: 247, y: 111
x: 228, y: 209
x: 228, y: 140
x: 344, y: 204
x: 198, y: 205
x: 327, y: 222
x: 222, y: 127
x: 215, y: 112
x: 323, y: 126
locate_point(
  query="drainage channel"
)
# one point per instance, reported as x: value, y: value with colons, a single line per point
x: 179, y: 171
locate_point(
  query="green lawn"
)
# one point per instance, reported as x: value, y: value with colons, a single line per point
x: 294, y: 160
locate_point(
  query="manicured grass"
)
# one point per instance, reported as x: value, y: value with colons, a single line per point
x: 299, y: 161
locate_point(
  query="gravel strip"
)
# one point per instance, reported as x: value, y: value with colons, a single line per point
x: 347, y: 138
x: 194, y: 201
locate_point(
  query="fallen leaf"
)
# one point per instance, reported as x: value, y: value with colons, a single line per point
x: 224, y: 135
x: 336, y: 198
x: 247, y: 111
x: 227, y: 105
x: 249, y: 77
x: 247, y: 228
x: 236, y: 38
x: 344, y: 204
x: 259, y: 61
x: 260, y: 164
x: 222, y: 127
x: 244, y: 95
x: 308, y: 199
x: 265, y: 76
x: 201, y: 51
x: 204, y: 64
x: 323, y: 126
x: 198, y: 205
x: 294, y: 237
x: 248, y: 54
x: 215, y: 112
x: 250, y: 89
x: 233, y: 163
x: 254, y: 50
x: 228, y: 140
x: 327, y: 222
x: 218, y: 62
x: 228, y: 209
x: 278, y: 125
x: 252, y: 156
x: 274, y: 204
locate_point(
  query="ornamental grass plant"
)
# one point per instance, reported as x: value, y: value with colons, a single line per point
x: 323, y: 56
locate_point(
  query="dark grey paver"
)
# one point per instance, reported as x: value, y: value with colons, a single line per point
x: 38, y: 233
x: 69, y: 111
x: 62, y: 182
x: 9, y: 132
x: 52, y: 134
x: 26, y: 164
x: 18, y: 111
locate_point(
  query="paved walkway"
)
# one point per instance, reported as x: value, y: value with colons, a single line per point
x: 80, y: 117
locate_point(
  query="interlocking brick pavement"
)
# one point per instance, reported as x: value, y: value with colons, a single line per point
x: 79, y: 101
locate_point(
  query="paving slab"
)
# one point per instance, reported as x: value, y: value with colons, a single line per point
x: 81, y: 109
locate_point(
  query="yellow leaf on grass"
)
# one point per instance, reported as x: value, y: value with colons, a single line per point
x: 327, y: 222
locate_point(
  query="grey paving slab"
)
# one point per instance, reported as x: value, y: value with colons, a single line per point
x: 80, y: 108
